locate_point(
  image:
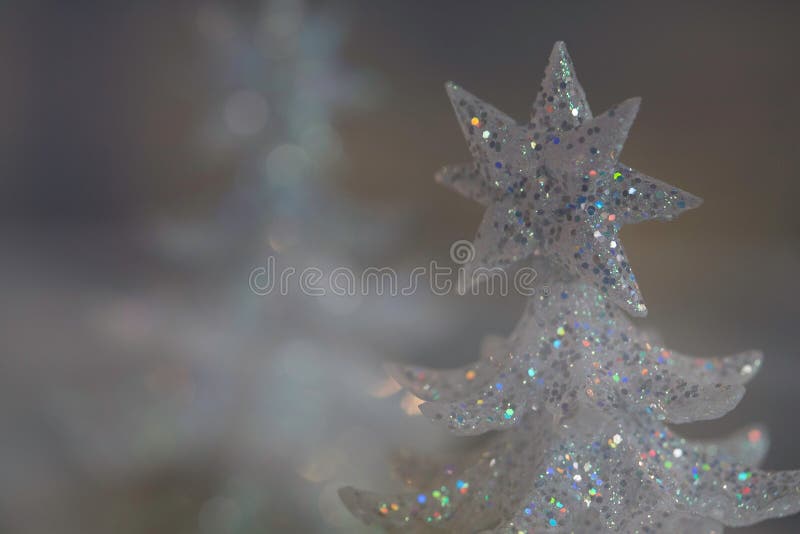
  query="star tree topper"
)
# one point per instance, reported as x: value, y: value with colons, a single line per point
x: 555, y: 186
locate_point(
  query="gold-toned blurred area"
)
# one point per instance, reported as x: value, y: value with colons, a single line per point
x: 152, y: 154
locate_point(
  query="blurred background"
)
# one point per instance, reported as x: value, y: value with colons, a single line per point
x: 153, y: 153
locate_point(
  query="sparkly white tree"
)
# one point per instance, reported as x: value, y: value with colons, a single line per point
x: 578, y: 397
